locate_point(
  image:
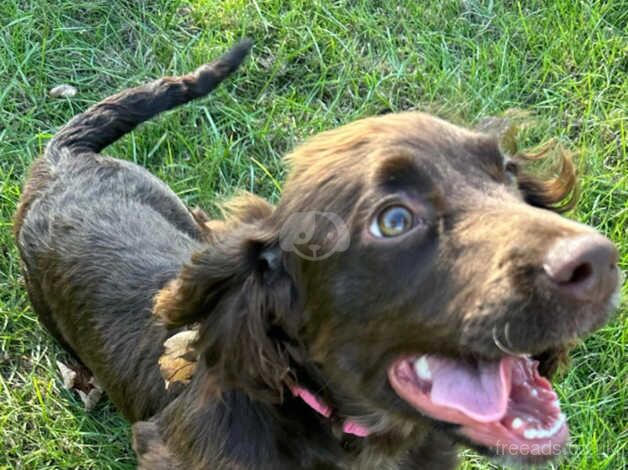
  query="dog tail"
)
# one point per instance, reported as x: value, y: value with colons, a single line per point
x: 107, y: 121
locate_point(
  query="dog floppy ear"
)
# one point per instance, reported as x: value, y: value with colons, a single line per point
x: 202, y: 282
x: 233, y: 246
x: 240, y: 292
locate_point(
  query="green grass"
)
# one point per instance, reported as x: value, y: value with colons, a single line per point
x: 316, y: 64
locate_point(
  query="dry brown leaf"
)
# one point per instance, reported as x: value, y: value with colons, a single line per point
x: 178, y: 362
x: 67, y: 374
x: 78, y: 378
x: 91, y: 398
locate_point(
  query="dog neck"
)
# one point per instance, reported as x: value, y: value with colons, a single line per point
x: 204, y: 431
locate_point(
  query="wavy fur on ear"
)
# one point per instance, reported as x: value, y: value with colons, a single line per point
x: 241, y: 302
x: 555, y: 190
x: 559, y: 193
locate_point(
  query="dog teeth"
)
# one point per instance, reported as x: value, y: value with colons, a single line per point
x: 517, y: 423
x: 422, y: 368
x: 534, y: 392
x: 545, y: 433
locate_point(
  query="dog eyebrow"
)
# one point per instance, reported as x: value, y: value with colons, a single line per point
x: 401, y: 170
x: 486, y: 149
x: 401, y: 173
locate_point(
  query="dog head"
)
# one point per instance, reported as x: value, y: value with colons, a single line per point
x: 413, y: 272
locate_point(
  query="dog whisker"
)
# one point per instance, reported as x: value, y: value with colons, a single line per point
x: 501, y: 346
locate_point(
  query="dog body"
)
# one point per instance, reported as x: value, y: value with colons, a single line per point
x: 319, y: 359
x: 100, y: 236
x: 101, y: 264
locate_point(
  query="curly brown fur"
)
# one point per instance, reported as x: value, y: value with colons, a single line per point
x: 115, y: 265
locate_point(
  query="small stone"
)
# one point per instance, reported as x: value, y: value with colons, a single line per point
x: 63, y: 91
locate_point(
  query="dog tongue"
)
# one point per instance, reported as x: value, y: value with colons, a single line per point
x: 479, y: 390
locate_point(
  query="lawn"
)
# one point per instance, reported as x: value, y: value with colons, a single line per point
x: 316, y: 65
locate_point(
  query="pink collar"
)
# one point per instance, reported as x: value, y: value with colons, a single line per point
x: 349, y: 427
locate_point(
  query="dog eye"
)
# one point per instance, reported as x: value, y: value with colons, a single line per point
x: 511, y: 169
x: 391, y: 222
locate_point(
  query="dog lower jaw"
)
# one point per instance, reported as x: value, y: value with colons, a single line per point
x: 505, y: 407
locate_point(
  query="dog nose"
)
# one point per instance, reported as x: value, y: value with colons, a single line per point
x: 584, y: 267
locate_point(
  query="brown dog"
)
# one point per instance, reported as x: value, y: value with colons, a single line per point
x: 387, y: 309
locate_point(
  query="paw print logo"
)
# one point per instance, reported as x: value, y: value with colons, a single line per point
x: 314, y: 235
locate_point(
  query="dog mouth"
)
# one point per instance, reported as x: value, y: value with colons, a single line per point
x: 505, y: 405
